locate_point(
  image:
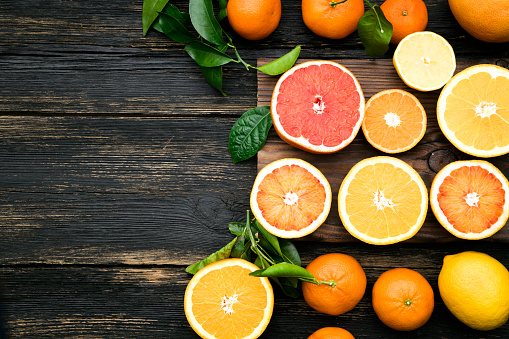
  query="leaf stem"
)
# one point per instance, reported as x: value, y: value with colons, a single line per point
x: 239, y: 59
x: 376, y: 14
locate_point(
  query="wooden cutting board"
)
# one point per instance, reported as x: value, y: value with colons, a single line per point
x: 432, y: 153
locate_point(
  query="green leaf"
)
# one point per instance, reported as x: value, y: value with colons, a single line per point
x: 237, y: 228
x: 289, y: 286
x: 205, y: 55
x: 375, y: 31
x: 284, y: 270
x: 222, y: 9
x: 151, y: 9
x: 174, y: 30
x: 223, y: 253
x: 214, y: 77
x: 271, y: 239
x: 204, y: 21
x: 290, y: 253
x: 242, y: 248
x: 183, y: 18
x: 282, y: 64
x: 249, y: 133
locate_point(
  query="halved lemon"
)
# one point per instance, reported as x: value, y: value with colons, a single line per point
x: 425, y: 61
x: 382, y: 200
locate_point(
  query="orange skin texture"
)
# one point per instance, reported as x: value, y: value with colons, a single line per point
x: 390, y: 292
x: 331, y: 333
x: 415, y: 20
x: 329, y: 22
x: 484, y: 20
x: 350, y: 284
x: 254, y: 19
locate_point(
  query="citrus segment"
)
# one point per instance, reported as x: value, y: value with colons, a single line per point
x: 425, y: 61
x: 394, y: 121
x: 470, y: 199
x: 223, y: 301
x: 290, y: 198
x: 473, y: 110
x: 382, y: 200
x: 317, y: 106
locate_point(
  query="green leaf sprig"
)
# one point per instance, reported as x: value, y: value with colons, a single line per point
x: 277, y: 258
x: 375, y: 31
x: 208, y: 45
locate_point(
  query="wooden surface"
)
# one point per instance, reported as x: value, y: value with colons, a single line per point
x: 115, y: 174
x: 432, y: 153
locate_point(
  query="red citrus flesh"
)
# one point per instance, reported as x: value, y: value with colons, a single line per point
x: 472, y: 199
x: 282, y: 188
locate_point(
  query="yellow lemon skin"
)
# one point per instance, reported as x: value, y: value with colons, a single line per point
x: 475, y: 288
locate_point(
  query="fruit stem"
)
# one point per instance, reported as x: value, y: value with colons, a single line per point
x: 331, y: 283
x: 408, y: 302
x: 334, y: 3
x: 405, y: 13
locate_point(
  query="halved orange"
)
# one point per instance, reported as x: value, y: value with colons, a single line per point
x: 470, y: 199
x: 222, y: 301
x: 425, y: 61
x: 317, y: 106
x: 394, y: 121
x: 382, y: 200
x: 473, y: 111
x: 291, y: 198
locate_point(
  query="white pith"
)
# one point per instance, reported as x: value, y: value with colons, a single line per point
x: 392, y: 119
x: 439, y: 214
x: 291, y: 198
x: 227, y: 303
x: 494, y: 71
x: 472, y: 199
x: 485, y: 109
x: 318, y: 108
x: 380, y: 201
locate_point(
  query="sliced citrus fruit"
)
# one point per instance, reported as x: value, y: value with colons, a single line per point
x: 470, y: 199
x: 291, y: 198
x: 425, y: 61
x: 223, y: 301
x: 382, y: 200
x: 394, y: 121
x: 473, y: 110
x: 317, y: 106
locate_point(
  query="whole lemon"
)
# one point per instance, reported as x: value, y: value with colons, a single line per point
x: 475, y: 288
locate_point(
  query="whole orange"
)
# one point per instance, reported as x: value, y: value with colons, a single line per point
x: 331, y: 333
x: 403, y: 299
x: 333, y: 20
x: 406, y: 17
x: 254, y: 19
x: 345, y: 288
x: 484, y: 20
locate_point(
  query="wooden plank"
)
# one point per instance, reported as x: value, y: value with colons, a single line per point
x: 432, y: 153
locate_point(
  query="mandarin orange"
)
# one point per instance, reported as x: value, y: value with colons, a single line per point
x: 406, y: 17
x: 254, y: 19
x: 331, y: 333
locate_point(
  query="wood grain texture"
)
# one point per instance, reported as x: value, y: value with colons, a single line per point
x: 432, y: 153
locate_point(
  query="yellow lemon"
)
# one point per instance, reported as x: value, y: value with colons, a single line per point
x: 475, y: 288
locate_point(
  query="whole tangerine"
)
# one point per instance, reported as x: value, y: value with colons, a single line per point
x: 406, y: 17
x: 254, y: 19
x: 331, y: 333
x: 330, y: 18
x: 403, y: 299
x: 343, y: 284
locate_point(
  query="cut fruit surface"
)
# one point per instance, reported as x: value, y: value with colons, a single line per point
x: 425, y: 61
x: 317, y: 106
x: 290, y: 198
x: 470, y: 199
x: 473, y: 111
x: 394, y: 121
x: 382, y: 200
x: 223, y: 301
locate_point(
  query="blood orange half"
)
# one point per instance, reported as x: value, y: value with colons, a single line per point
x: 318, y: 106
x: 291, y: 198
x: 470, y: 199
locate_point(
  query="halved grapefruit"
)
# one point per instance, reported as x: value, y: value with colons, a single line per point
x: 470, y: 199
x: 317, y: 106
x: 291, y: 198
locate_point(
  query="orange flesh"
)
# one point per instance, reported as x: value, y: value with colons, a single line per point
x: 247, y: 311
x: 291, y: 182
x: 319, y: 103
x: 453, y: 194
x: 401, y: 214
x: 410, y: 126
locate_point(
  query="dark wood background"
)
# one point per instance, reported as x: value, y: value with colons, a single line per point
x: 115, y: 174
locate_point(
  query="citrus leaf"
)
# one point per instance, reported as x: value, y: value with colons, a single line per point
x: 205, y: 55
x: 183, y: 18
x: 249, y: 133
x: 237, y: 228
x: 282, y: 64
x: 283, y: 270
x: 222, y: 10
x: 271, y: 239
x: 151, y: 9
x: 223, y: 253
x: 174, y: 30
x: 375, y: 31
x: 214, y: 77
x: 290, y: 253
x: 204, y: 21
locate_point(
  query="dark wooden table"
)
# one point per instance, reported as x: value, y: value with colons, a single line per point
x: 115, y: 174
